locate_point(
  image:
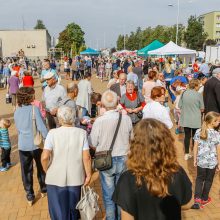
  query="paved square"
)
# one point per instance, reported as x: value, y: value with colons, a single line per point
x: 13, y: 204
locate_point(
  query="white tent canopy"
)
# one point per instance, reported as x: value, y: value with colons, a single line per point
x: 171, y: 49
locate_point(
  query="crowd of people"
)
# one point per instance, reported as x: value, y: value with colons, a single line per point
x: 75, y: 124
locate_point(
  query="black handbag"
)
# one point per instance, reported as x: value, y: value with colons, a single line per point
x: 103, y: 159
x: 140, y: 113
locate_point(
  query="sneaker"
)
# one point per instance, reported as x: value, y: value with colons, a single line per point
x: 187, y: 156
x: 3, y: 169
x: 30, y: 203
x: 206, y: 202
x: 197, y: 206
x: 43, y: 195
x: 9, y: 165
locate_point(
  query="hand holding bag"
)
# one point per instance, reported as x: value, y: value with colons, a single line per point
x: 88, y: 204
x: 103, y: 159
x: 38, y: 139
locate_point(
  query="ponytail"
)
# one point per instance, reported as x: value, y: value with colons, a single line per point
x: 208, y: 120
x: 204, y: 132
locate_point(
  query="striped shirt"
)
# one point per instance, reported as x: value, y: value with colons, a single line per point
x: 4, y: 139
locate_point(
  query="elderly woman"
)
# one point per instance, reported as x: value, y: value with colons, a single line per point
x: 13, y: 86
x: 67, y: 163
x: 156, y: 108
x: 133, y: 102
x: 28, y: 151
x: 149, y: 85
x: 139, y: 192
x: 191, y: 106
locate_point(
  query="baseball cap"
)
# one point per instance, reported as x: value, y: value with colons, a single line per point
x: 49, y: 75
x: 216, y: 71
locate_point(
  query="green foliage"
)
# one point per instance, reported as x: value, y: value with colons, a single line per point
x: 210, y: 42
x: 71, y: 39
x: 120, y: 42
x: 194, y: 35
x: 141, y: 38
x: 40, y: 25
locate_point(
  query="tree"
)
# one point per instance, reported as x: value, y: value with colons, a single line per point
x: 120, y: 42
x: 210, y: 42
x: 194, y: 35
x: 141, y: 38
x: 71, y: 39
x: 40, y: 25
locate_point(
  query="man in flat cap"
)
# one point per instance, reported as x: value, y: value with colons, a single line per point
x: 52, y: 96
x: 212, y: 92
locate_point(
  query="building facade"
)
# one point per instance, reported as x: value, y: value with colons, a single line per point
x: 34, y: 43
x: 211, y: 25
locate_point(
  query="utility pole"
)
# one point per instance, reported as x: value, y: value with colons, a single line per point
x: 124, y: 36
x: 177, y: 24
x: 23, y: 24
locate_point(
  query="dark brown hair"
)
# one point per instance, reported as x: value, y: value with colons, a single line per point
x: 96, y: 97
x: 153, y: 158
x: 25, y: 96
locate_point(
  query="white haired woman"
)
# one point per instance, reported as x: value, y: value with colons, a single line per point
x: 69, y: 168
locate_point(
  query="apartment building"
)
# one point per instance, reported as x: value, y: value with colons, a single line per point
x: 211, y: 24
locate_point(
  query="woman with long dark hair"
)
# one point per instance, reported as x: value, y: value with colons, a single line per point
x: 155, y: 186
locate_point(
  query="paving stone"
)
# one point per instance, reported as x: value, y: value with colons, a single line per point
x: 13, y: 203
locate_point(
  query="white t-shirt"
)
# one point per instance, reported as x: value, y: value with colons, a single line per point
x: 49, y: 143
x: 157, y: 111
x: 66, y: 65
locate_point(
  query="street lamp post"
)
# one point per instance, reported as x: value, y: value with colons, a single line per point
x: 124, y: 36
x: 177, y: 22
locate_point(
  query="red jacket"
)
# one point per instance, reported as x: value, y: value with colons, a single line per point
x: 28, y: 81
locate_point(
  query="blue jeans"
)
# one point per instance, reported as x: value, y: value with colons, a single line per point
x: 109, y: 179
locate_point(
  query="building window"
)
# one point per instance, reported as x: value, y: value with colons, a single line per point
x: 218, y: 33
x: 218, y: 17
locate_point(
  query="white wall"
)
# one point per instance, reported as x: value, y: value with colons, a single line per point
x: 13, y: 41
x: 212, y: 54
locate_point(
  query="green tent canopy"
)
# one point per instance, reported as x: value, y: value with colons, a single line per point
x: 152, y: 46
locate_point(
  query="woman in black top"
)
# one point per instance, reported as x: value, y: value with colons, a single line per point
x: 155, y: 186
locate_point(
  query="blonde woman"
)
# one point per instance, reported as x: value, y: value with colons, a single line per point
x: 206, y: 158
x: 155, y: 186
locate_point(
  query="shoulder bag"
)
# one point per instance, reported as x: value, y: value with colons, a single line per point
x: 103, y: 159
x: 140, y: 113
x: 38, y: 139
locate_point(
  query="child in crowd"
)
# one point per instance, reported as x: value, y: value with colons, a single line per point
x: 5, y: 144
x: 40, y: 106
x: 177, y: 111
x: 206, y: 158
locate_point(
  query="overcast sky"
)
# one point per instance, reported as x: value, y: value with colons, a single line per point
x: 101, y: 20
